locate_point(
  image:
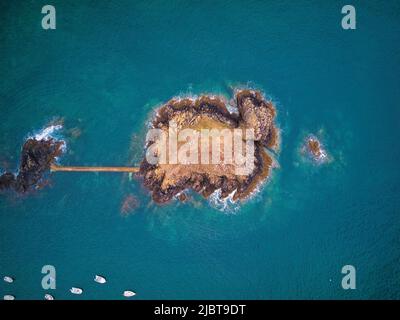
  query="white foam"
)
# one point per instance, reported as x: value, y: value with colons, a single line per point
x: 226, y: 205
x: 47, y: 133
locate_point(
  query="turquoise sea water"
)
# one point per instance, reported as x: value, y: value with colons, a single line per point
x: 104, y: 69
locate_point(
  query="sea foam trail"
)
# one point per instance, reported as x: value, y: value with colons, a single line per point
x: 227, y: 204
x: 47, y: 133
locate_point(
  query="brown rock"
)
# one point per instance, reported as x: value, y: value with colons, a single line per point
x: 258, y: 114
x: 182, y: 197
x: 36, y: 158
x: 314, y: 148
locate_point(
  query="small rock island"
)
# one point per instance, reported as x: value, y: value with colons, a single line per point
x: 314, y: 149
x: 248, y: 112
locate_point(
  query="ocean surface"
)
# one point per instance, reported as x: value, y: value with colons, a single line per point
x: 110, y: 63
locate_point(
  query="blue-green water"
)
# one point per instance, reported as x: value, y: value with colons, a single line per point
x: 104, y: 69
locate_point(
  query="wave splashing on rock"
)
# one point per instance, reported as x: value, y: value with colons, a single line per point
x: 38, y: 153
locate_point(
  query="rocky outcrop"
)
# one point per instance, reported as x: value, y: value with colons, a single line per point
x: 258, y: 114
x: 165, y: 181
x: 129, y: 204
x: 314, y: 149
x: 36, y: 158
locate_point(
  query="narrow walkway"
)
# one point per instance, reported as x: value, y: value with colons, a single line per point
x: 54, y: 167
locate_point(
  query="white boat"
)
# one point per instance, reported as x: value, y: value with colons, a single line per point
x: 8, y: 279
x: 76, y: 290
x: 128, y: 293
x: 48, y: 297
x: 9, y: 297
x: 100, y: 279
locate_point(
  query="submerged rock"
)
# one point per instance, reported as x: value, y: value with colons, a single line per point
x: 7, y: 180
x: 168, y: 179
x: 129, y: 204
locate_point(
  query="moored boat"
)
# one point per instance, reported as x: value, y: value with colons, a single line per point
x: 8, y: 279
x: 128, y: 293
x: 9, y: 297
x: 100, y: 279
x: 75, y: 290
x: 48, y: 297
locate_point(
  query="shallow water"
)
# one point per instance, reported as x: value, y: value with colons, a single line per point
x: 105, y: 68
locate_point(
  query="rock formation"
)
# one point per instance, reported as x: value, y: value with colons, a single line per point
x: 166, y: 180
x: 36, y: 158
x: 314, y: 149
